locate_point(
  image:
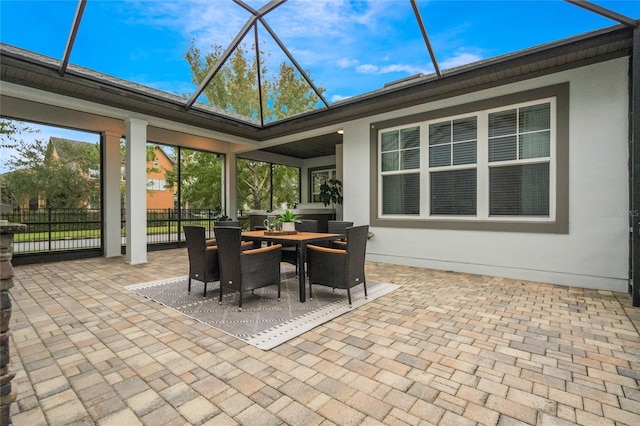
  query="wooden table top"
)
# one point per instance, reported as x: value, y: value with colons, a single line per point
x: 300, y: 236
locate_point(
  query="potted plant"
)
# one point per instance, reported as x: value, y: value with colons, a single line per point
x: 331, y: 192
x: 288, y: 219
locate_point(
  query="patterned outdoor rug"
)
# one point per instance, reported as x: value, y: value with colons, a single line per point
x: 263, y: 322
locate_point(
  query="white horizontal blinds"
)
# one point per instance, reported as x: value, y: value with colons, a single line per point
x: 453, y: 146
x: 519, y: 157
x: 400, y: 169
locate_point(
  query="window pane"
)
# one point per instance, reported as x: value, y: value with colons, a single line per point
x: 390, y: 161
x: 440, y: 156
x: 286, y: 185
x: 440, y: 133
x: 465, y: 129
x: 503, y: 149
x: 537, y: 117
x: 390, y: 141
x: 253, y: 184
x: 454, y: 192
x: 464, y: 153
x: 535, y: 145
x: 519, y: 190
x: 411, y: 159
x: 410, y: 138
x: 502, y: 123
x: 401, y: 194
x: 200, y: 179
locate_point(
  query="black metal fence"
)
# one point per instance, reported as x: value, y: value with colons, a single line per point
x: 72, y: 230
x: 54, y: 230
x: 165, y: 225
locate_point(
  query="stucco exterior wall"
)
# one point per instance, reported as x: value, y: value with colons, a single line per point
x: 594, y: 253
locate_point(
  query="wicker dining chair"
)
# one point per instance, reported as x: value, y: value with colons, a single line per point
x: 245, y: 270
x: 203, y: 258
x: 339, y: 268
x: 227, y: 223
x: 246, y: 245
x: 289, y: 253
x: 339, y: 227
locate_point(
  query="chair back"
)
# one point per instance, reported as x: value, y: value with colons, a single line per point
x: 338, y: 227
x: 196, y: 246
x: 356, y: 250
x: 307, y: 225
x: 226, y: 223
x: 229, y: 251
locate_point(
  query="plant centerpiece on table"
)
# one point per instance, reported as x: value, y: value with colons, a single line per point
x: 288, y: 220
x: 331, y: 192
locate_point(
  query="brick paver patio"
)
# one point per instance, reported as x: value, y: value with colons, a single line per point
x: 445, y: 349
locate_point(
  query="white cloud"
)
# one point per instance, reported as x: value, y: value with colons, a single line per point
x: 338, y: 98
x: 368, y: 69
x: 347, y: 63
x: 393, y: 68
x: 460, y: 59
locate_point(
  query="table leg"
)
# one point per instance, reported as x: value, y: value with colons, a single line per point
x: 301, y: 272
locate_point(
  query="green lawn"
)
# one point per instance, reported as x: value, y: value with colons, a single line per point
x: 95, y: 233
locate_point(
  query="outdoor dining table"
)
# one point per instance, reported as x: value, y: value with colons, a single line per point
x: 300, y: 240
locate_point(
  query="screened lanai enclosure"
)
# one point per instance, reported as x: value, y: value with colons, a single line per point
x: 466, y: 124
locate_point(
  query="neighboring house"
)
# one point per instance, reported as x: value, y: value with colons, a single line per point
x: 158, y: 195
x: 515, y: 167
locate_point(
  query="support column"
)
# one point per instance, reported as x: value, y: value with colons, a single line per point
x: 7, y: 394
x: 634, y: 124
x: 340, y: 177
x: 112, y: 237
x: 230, y: 190
x: 136, y: 189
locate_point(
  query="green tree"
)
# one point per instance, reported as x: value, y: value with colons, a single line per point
x: 65, y: 181
x: 200, y: 175
x: 11, y: 130
x: 286, y: 185
x: 15, y: 186
x: 234, y: 89
x: 253, y: 184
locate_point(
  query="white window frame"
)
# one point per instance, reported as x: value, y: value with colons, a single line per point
x: 482, y: 167
x: 400, y: 170
x: 312, y: 175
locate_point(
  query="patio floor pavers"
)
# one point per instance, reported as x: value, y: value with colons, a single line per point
x: 445, y: 348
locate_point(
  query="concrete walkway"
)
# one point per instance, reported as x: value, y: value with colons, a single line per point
x: 445, y: 349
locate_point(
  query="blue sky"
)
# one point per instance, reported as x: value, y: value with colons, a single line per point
x: 350, y: 47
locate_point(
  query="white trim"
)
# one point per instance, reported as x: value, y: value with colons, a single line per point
x: 482, y: 167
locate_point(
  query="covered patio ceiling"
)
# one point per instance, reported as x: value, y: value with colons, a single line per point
x: 59, y: 75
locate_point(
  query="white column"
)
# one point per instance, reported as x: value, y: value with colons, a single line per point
x: 340, y: 177
x: 111, y: 202
x: 230, y: 190
x: 136, y: 181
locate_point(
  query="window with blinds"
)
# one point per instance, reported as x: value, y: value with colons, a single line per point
x: 400, y: 170
x: 496, y: 163
x: 452, y: 166
x: 519, y: 157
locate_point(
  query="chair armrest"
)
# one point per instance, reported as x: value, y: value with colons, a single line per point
x: 339, y: 243
x: 212, y: 248
x: 211, y: 241
x: 326, y: 249
x: 246, y: 245
x: 263, y: 249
